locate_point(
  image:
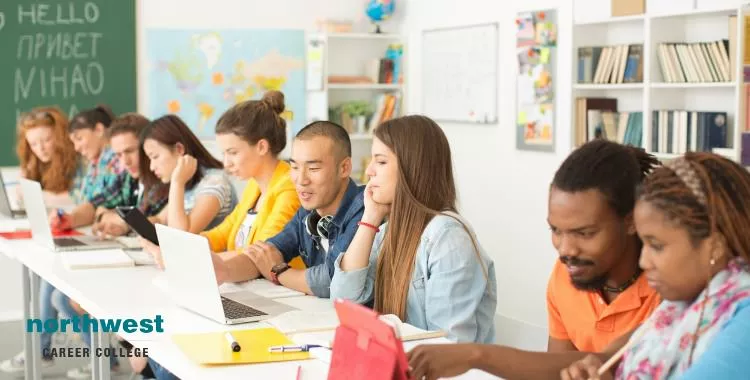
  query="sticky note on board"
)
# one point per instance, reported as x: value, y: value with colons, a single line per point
x: 544, y: 55
x: 522, y: 117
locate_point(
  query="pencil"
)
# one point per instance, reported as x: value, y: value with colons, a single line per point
x: 618, y: 355
x: 299, y: 372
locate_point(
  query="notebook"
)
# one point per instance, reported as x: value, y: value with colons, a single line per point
x: 319, y: 327
x: 212, y: 348
x: 91, y: 259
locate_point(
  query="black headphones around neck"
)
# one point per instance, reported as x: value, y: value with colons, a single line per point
x: 318, y: 226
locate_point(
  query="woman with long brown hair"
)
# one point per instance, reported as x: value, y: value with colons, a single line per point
x: 424, y: 264
x: 200, y: 193
x: 47, y: 156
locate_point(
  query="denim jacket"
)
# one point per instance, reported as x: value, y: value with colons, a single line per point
x: 294, y: 240
x: 449, y: 290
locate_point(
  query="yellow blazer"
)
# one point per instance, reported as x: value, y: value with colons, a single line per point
x: 280, y: 204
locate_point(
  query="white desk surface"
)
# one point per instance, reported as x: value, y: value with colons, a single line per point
x: 130, y: 293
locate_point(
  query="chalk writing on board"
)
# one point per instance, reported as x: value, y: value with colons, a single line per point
x: 76, y: 70
x: 2, y: 20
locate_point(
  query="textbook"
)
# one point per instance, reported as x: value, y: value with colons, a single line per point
x: 100, y: 258
x: 319, y: 327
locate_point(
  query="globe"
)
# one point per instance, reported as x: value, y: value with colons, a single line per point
x: 380, y: 10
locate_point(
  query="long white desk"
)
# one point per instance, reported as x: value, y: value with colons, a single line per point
x: 130, y: 293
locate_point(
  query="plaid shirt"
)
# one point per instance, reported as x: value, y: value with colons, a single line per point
x: 107, y: 184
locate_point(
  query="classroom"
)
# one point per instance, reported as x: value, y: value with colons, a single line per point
x: 375, y: 189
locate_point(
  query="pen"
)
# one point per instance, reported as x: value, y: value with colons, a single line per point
x: 232, y: 342
x: 299, y: 372
x: 302, y: 348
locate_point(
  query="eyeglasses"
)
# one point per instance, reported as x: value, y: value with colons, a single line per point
x: 318, y: 226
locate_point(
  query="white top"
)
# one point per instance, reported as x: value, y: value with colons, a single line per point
x: 242, y: 234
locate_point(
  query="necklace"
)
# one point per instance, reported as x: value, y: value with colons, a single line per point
x: 624, y: 286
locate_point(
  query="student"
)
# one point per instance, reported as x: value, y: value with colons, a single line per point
x: 332, y: 204
x: 596, y: 292
x: 424, y: 264
x: 200, y: 193
x: 693, y: 216
x: 47, y: 155
x: 251, y: 135
x: 101, y: 186
x: 123, y: 137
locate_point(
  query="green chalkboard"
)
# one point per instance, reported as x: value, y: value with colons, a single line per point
x: 74, y: 54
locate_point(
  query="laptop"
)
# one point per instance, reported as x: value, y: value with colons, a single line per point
x: 41, y: 232
x: 192, y: 282
x: 5, y: 205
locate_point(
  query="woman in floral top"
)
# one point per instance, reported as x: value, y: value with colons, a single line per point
x: 693, y: 216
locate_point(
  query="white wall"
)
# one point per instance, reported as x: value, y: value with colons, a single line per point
x: 503, y: 191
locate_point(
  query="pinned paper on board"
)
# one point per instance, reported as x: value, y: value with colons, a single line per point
x: 535, y: 94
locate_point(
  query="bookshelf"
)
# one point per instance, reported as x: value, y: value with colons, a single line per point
x: 351, y: 73
x: 698, y: 26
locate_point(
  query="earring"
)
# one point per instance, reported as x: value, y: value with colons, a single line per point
x: 712, y: 261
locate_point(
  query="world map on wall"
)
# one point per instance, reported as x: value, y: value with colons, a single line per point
x: 199, y: 74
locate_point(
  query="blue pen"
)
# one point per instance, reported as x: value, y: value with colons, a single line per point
x: 301, y: 348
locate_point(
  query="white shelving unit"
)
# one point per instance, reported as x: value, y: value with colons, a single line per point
x: 347, y: 54
x: 702, y: 22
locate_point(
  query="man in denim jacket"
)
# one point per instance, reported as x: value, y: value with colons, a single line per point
x: 332, y: 205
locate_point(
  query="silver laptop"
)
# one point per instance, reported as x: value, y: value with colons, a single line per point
x: 5, y: 204
x: 192, y: 282
x: 41, y: 232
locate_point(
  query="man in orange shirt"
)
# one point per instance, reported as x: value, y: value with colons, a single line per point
x: 596, y: 293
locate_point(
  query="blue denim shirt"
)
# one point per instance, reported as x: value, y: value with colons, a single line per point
x: 294, y: 240
x: 449, y: 289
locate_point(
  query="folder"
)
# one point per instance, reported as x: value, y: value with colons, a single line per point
x: 213, y: 349
x: 26, y: 234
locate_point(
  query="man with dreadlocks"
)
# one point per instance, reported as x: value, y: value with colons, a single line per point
x: 596, y: 292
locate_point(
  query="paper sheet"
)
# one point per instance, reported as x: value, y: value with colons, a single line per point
x: 261, y: 287
x: 298, y: 321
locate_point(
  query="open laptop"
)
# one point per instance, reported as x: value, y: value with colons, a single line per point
x: 192, y: 282
x: 5, y: 204
x: 41, y: 232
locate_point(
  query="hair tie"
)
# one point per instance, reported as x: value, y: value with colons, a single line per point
x: 687, y: 174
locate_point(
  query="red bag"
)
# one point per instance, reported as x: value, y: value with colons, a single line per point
x: 365, y: 348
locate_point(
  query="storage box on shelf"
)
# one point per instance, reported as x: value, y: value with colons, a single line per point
x: 676, y: 72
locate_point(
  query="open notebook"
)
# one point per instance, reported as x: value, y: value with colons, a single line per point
x: 319, y: 327
x: 261, y: 287
x: 102, y: 258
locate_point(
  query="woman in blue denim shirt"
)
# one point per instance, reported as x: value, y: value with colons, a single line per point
x: 424, y: 265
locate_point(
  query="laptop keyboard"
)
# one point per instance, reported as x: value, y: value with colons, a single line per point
x: 236, y: 310
x: 62, y: 242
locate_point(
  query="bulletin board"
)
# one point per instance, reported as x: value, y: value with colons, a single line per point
x: 460, y: 78
x: 536, y: 52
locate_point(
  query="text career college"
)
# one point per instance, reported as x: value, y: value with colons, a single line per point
x: 85, y: 352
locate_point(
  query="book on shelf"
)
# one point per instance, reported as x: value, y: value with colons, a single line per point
x: 745, y: 149
x: 621, y: 127
x: 610, y: 64
x: 697, y: 62
x: 583, y: 106
x: 680, y: 131
x: 387, y: 106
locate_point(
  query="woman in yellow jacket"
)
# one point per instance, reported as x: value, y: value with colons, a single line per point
x: 251, y: 135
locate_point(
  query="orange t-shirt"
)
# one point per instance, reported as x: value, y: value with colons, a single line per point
x: 584, y: 318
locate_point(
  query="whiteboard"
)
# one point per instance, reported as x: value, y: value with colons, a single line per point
x: 459, y: 74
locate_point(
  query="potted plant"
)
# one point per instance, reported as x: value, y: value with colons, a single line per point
x: 359, y: 111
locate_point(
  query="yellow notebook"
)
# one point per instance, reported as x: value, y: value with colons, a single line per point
x: 213, y: 349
